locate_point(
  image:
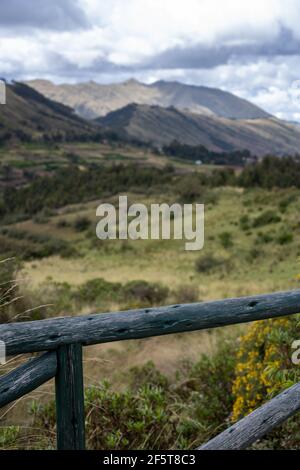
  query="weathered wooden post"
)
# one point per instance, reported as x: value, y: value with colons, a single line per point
x: 70, y: 398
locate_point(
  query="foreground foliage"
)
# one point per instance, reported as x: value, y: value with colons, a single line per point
x: 153, y: 412
x: 204, y: 398
x: 264, y: 368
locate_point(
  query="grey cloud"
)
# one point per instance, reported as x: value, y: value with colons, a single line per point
x: 50, y: 14
x: 63, y: 69
x: 203, y: 57
x: 189, y: 58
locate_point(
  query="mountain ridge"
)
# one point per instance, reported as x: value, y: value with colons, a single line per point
x: 91, y: 100
x: 160, y: 126
x: 29, y: 115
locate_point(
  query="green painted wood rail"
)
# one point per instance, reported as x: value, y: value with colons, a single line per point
x: 63, y: 338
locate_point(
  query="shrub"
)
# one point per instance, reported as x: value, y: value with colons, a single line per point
x: 132, y: 420
x: 26, y: 245
x: 97, y: 290
x: 284, y: 237
x: 40, y: 219
x: 145, y: 292
x: 190, y: 189
x: 186, y: 294
x: 207, y: 263
x: 245, y: 222
x: 264, y: 368
x: 266, y: 218
x: 121, y: 420
x: 153, y: 412
x: 81, y: 224
x: 254, y: 254
x: 43, y: 216
x: 58, y: 296
x: 286, y: 202
x: 226, y: 239
x: 56, y: 246
x: 62, y: 223
x: 212, y: 379
x: 263, y: 238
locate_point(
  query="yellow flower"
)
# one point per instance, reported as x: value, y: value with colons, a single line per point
x: 264, y: 352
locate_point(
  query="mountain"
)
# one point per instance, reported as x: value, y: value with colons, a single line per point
x: 91, y: 99
x: 159, y: 126
x: 219, y: 120
x: 28, y: 115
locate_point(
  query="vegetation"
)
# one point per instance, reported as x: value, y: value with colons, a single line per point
x: 153, y: 412
x: 203, y: 155
x: 200, y: 400
x: 200, y: 382
x: 264, y: 368
x: 272, y: 172
x: 47, y: 193
x: 94, y: 181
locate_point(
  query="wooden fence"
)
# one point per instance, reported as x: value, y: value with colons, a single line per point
x: 63, y: 338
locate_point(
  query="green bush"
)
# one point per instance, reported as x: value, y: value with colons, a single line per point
x: 266, y: 218
x: 245, y: 222
x: 81, y: 224
x: 190, y: 189
x: 186, y: 294
x: 264, y: 368
x: 98, y: 290
x: 146, y: 293
x: 286, y: 202
x: 264, y: 238
x: 27, y: 246
x: 154, y: 412
x: 226, y: 239
x: 62, y: 223
x: 211, y: 380
x: 284, y: 237
x: 208, y: 263
x: 254, y: 253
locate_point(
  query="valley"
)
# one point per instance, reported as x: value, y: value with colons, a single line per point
x: 51, y: 182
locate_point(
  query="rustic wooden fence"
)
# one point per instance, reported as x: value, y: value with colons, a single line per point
x: 63, y: 339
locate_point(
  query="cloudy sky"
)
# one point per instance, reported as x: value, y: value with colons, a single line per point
x: 249, y: 48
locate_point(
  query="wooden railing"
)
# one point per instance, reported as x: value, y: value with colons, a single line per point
x: 64, y: 337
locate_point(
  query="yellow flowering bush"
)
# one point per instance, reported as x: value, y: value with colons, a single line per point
x: 264, y: 363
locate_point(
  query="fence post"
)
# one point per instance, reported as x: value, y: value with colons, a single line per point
x: 70, y: 398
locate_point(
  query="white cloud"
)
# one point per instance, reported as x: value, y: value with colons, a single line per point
x: 250, y: 48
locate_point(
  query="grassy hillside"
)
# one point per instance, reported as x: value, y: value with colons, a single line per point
x: 160, y: 126
x: 252, y: 243
x: 245, y: 226
x: 29, y: 116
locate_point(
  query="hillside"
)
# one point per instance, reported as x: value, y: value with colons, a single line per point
x: 159, y: 126
x: 29, y: 115
x: 91, y: 99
